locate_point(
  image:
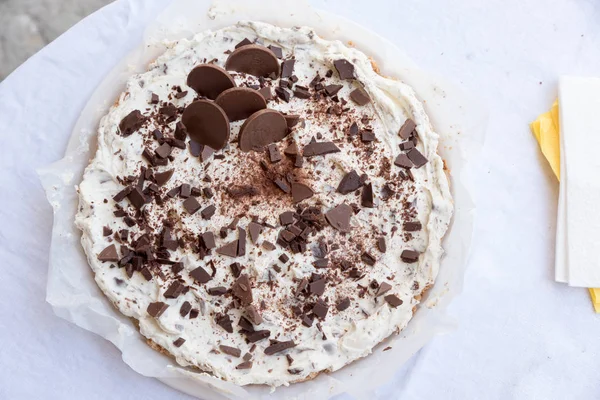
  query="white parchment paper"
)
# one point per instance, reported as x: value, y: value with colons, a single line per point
x: 75, y: 297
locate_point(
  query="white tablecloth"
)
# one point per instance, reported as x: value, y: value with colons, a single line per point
x: 520, y: 335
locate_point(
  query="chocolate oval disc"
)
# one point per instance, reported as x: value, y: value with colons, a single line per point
x: 240, y: 103
x: 262, y: 128
x: 209, y: 80
x: 254, y: 60
x: 206, y: 123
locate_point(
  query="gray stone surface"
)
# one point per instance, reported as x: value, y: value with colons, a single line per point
x: 28, y: 25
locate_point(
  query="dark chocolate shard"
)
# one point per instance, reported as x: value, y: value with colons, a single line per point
x: 279, y: 347
x: 349, y: 183
x: 157, y: 309
x: 339, y: 217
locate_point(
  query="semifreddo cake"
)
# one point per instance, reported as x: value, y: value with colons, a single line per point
x: 265, y: 204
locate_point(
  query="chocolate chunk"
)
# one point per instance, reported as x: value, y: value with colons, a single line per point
x: 332, y: 90
x: 301, y: 192
x: 174, y: 290
x: 381, y: 244
x: 131, y: 123
x: 200, y: 275
x: 191, y: 205
x: 353, y: 130
x: 230, y: 249
x: 163, y: 151
x: 317, y: 287
x: 281, y: 184
x: 262, y: 128
x: 266, y: 92
x: 106, y: 231
x: 320, y: 309
x: 154, y: 98
x: 349, y: 183
x: 412, y: 226
x: 208, y: 240
x: 339, y: 217
x: 244, y: 365
x: 406, y: 145
x: 366, y: 198
x: 169, y: 111
x: 284, y: 258
x: 274, y: 154
x: 235, y: 269
x: 279, y: 347
x: 254, y: 60
x: 206, y: 123
x: 157, y: 309
x: 344, y: 68
x: 384, y: 287
x: 217, y: 291
x: 367, y: 136
x: 299, y: 162
x: 258, y: 335
x: 393, y: 300
x: 268, y: 246
x: 137, y: 198
x: 224, y: 322
x: 291, y: 150
x: 276, y: 50
x: 253, y: 315
x: 244, y: 42
x: 181, y: 95
x: 307, y: 320
x: 240, y: 102
x: 185, y: 191
x: 179, y: 342
x: 254, y: 230
x: 319, y: 148
x: 416, y: 157
x: 163, y: 177
x: 406, y: 130
x: 208, y: 193
x: 177, y: 267
x: 368, y: 258
x: 185, y: 308
x: 208, y: 212
x: 174, y: 192
x: 109, y: 254
x: 343, y: 304
x: 209, y: 80
x: 292, y: 120
x: 321, y: 263
x: 409, y: 256
x: 287, y: 68
x: 403, y: 161
x: 242, y: 290
x: 241, y: 242
x: 283, y: 94
x: 301, y: 93
x: 232, y: 351
x: 122, y: 194
x: 194, y: 313
x: 359, y: 97
x: 286, y: 218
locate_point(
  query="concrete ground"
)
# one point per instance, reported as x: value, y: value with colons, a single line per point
x: 28, y: 25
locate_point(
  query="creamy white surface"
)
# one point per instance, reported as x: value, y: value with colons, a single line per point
x: 350, y: 335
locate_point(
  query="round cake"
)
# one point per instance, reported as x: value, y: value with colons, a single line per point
x: 265, y: 204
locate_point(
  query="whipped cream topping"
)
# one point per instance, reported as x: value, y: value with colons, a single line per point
x: 356, y: 266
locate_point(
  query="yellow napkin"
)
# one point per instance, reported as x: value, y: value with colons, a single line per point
x: 546, y: 129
